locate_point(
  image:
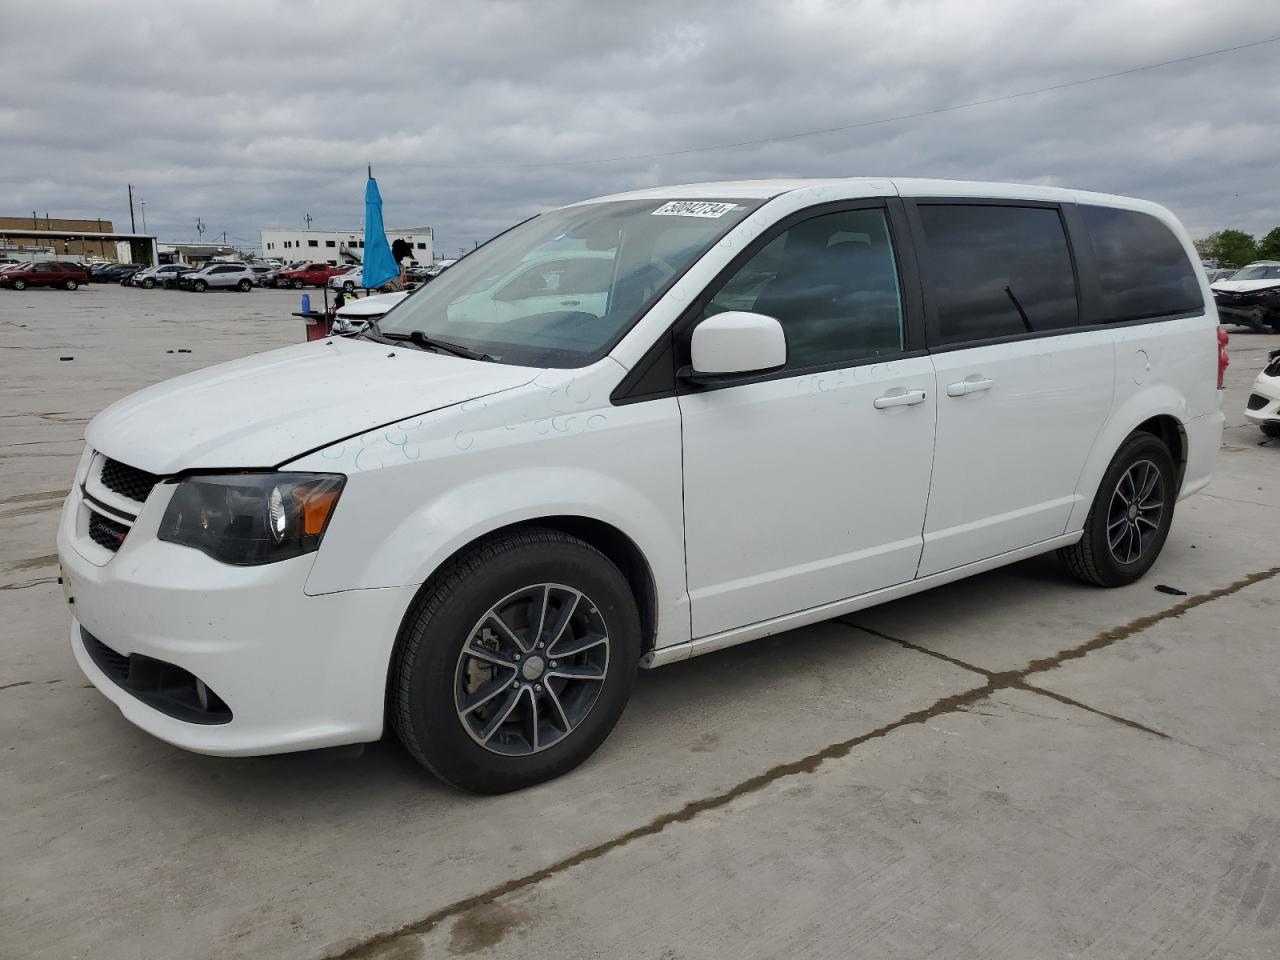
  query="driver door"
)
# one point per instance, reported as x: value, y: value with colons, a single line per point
x: 808, y: 485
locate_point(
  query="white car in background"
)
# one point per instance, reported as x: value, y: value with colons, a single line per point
x: 347, y: 282
x: 1263, y: 405
x: 791, y: 400
x: 1251, y: 296
x: 356, y: 314
x: 220, y: 276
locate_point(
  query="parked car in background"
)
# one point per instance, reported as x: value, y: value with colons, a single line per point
x: 308, y: 275
x: 113, y: 272
x: 260, y: 272
x: 795, y: 400
x: 348, y: 281
x: 41, y: 273
x: 1218, y: 273
x: 438, y: 267
x: 1251, y: 296
x: 166, y: 275
x: 355, y: 315
x: 10, y: 262
x: 1263, y: 405
x: 219, y: 276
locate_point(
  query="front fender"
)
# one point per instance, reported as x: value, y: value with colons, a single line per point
x: 417, y: 493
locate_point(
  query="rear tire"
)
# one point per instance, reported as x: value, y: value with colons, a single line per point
x: 70, y: 283
x: 244, y: 286
x: 1130, y: 518
x: 591, y: 626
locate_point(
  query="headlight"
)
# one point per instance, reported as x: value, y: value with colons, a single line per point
x: 252, y: 518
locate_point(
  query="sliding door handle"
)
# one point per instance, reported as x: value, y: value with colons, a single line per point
x: 903, y: 398
x: 963, y: 388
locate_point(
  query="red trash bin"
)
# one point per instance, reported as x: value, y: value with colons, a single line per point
x: 318, y: 324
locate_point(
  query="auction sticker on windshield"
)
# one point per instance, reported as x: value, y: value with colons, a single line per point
x: 693, y: 208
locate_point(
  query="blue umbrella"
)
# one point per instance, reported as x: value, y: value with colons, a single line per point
x: 379, y: 265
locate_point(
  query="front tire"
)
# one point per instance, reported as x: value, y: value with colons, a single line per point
x: 70, y: 283
x: 148, y: 284
x: 199, y: 286
x: 515, y: 662
x: 1271, y: 430
x: 297, y: 284
x: 1130, y: 518
x: 19, y: 284
x: 348, y: 287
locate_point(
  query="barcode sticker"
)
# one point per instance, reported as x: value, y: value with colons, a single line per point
x: 693, y: 208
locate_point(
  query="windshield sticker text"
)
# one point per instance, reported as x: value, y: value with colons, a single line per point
x: 693, y: 208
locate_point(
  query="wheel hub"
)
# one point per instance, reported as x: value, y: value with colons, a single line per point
x: 533, y: 668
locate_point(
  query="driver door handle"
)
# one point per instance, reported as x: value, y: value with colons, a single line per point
x: 906, y: 398
x: 569, y: 303
x: 963, y: 388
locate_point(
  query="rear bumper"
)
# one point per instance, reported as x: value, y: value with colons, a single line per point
x: 1204, y: 437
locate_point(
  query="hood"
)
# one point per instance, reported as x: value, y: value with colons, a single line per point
x: 1243, y: 286
x: 267, y: 409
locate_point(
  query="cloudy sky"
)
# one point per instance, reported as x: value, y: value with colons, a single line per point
x: 476, y: 114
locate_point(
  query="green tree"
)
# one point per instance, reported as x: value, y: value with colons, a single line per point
x: 1231, y: 248
x: 1269, y: 246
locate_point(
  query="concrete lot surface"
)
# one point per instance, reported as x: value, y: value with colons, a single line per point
x: 1015, y: 766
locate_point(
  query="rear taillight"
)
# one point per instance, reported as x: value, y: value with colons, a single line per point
x: 1223, y: 360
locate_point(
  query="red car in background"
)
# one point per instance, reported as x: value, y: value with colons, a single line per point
x: 310, y: 275
x: 44, y: 273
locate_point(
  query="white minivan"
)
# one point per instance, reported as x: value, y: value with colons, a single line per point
x: 790, y: 400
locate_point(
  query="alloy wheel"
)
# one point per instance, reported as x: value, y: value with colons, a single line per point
x: 531, y: 669
x: 1137, y: 506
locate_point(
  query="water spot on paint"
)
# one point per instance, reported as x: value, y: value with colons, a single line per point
x: 463, y: 440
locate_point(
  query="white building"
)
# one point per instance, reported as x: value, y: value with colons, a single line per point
x: 337, y: 246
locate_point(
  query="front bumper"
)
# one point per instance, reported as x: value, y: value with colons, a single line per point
x: 1263, y: 405
x: 295, y: 671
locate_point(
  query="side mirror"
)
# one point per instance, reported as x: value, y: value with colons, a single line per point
x: 735, y: 344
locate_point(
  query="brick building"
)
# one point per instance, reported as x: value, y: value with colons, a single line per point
x: 74, y: 239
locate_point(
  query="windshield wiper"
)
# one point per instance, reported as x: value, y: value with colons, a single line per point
x: 420, y: 339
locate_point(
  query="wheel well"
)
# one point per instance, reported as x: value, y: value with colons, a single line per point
x: 610, y: 541
x: 1170, y: 431
x: 626, y: 556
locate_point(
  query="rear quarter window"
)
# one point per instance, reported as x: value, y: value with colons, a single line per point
x: 1143, y: 270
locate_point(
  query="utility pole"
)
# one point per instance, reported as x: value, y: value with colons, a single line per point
x: 199, y: 230
x: 143, y: 204
x: 308, y: 219
x: 133, y: 227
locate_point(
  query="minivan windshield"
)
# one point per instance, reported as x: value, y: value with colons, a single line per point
x: 559, y: 290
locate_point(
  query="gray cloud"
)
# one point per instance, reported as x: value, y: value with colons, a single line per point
x: 256, y: 113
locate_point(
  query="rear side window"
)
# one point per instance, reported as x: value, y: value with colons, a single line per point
x: 1142, y: 267
x: 997, y: 271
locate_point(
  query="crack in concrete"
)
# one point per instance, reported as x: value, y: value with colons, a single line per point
x: 1009, y: 680
x: 380, y: 944
x: 23, y: 584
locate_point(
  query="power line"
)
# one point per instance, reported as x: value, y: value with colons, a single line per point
x: 860, y: 123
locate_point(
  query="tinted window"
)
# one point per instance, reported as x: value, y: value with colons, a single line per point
x: 1142, y: 267
x: 998, y: 271
x: 832, y: 282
